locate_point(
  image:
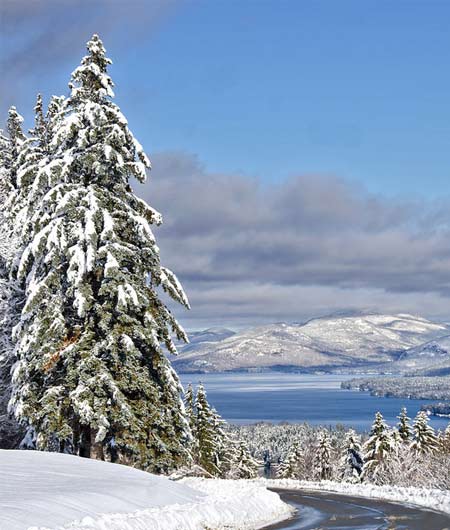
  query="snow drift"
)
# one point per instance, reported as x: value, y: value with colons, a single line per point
x: 43, y: 491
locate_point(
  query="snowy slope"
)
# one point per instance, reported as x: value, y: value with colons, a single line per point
x: 55, y: 491
x: 205, y: 336
x: 341, y: 341
x: 432, y: 355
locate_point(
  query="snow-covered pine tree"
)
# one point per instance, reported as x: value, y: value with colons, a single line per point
x: 403, y: 426
x: 212, y: 446
x: 396, y: 439
x: 30, y: 176
x: 424, y: 438
x: 16, y: 139
x: 377, y: 447
x: 293, y: 466
x: 322, y: 460
x: 5, y: 189
x: 243, y: 465
x: 11, y: 296
x: 91, y: 376
x: 226, y: 446
x: 208, y: 440
x: 189, y: 404
x: 445, y: 440
x: 351, y: 463
x: 7, y: 246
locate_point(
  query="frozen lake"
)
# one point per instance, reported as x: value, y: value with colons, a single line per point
x: 316, y: 399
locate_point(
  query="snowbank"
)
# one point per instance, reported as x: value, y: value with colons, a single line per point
x: 427, y: 498
x: 43, y: 491
x: 255, y: 506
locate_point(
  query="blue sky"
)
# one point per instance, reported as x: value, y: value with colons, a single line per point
x: 300, y: 148
x: 356, y: 89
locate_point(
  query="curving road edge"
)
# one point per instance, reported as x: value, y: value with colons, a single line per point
x: 333, y: 510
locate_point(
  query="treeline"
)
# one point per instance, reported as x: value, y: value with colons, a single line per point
x: 402, y: 387
x: 410, y: 454
x: 437, y: 409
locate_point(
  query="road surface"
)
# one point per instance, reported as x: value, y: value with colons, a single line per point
x: 322, y: 510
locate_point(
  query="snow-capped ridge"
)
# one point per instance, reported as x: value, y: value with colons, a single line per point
x: 359, y: 340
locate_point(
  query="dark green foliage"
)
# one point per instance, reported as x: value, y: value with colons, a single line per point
x: 92, y: 377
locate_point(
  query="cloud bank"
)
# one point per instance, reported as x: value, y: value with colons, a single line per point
x: 313, y: 244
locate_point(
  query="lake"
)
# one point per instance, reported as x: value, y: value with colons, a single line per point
x: 316, y: 399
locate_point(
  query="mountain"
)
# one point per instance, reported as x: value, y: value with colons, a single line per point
x: 206, y: 336
x: 429, y: 359
x: 335, y: 342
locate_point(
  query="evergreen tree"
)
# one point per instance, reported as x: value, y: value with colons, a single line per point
x: 91, y: 376
x: 445, y: 440
x: 244, y: 465
x: 7, y: 246
x: 189, y: 404
x: 351, y: 463
x: 16, y: 139
x: 322, y: 459
x: 10, y: 294
x: 30, y: 170
x: 226, y: 447
x: 403, y: 426
x: 377, y: 448
x: 208, y: 439
x: 293, y: 466
x: 424, y: 437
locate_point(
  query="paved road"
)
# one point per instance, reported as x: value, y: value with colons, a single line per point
x: 319, y: 510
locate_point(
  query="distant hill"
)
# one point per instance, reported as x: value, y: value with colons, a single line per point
x: 205, y: 336
x: 329, y: 343
x: 208, y: 335
x: 429, y: 359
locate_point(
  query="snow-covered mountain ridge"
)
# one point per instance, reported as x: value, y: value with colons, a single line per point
x: 335, y: 342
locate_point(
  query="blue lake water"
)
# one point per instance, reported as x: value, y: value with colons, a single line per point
x: 316, y: 399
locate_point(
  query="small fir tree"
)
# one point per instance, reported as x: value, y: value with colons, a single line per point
x: 30, y: 177
x: 403, y: 426
x: 322, y: 460
x: 244, y: 465
x: 293, y: 466
x: 377, y: 448
x: 424, y: 438
x: 445, y: 440
x: 189, y: 404
x: 351, y: 463
x: 208, y: 442
x: 16, y: 139
x: 7, y: 244
x: 11, y: 296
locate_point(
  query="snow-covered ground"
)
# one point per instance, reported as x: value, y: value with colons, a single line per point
x: 54, y: 491
x: 427, y: 498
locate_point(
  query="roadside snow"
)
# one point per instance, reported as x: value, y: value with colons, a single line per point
x: 254, y: 505
x: 427, y: 498
x: 52, y: 491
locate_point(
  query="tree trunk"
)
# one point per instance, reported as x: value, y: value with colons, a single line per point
x: 97, y: 452
x: 85, y: 442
